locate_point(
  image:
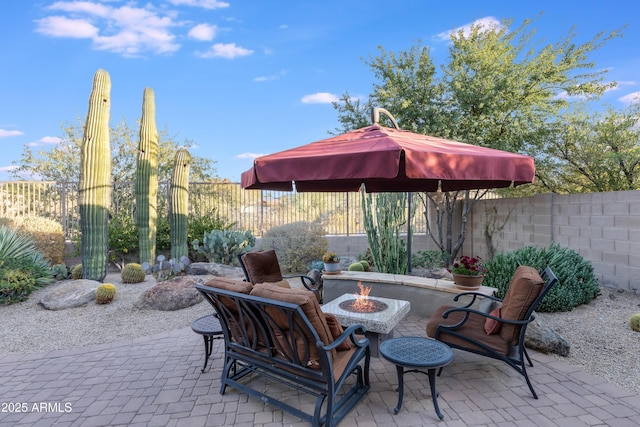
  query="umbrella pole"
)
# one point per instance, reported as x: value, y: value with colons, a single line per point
x: 409, y: 236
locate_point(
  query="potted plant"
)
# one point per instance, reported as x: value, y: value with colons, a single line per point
x: 331, y: 262
x: 468, y: 272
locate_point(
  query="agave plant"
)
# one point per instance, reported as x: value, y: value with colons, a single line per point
x: 18, y: 249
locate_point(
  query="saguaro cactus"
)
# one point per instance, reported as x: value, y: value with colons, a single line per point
x: 95, y: 180
x: 147, y: 180
x: 179, y: 207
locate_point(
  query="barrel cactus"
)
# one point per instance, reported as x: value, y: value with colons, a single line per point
x: 356, y: 266
x: 147, y: 179
x: 76, y: 272
x: 179, y: 206
x: 132, y: 273
x: 105, y: 293
x: 634, y: 322
x: 95, y: 180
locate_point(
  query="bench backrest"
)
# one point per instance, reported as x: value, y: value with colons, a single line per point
x: 290, y: 329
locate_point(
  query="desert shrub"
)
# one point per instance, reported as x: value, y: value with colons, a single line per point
x: 430, y: 259
x: 60, y: 271
x: 576, y: 285
x: 22, y: 267
x: 46, y: 234
x: 297, y: 244
x: 123, y: 237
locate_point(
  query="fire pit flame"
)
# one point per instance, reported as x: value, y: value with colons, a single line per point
x: 362, y: 303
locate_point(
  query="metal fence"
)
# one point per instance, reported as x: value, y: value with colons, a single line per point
x: 258, y: 211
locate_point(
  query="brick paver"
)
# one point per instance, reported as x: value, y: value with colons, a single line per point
x: 156, y: 381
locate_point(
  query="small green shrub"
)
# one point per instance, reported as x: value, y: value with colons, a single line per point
x: 123, y: 237
x: 634, y: 322
x: 224, y: 246
x: 296, y: 244
x: 60, y: 271
x: 576, y: 285
x: 76, y: 272
x: 429, y: 259
x: 132, y: 273
x: 316, y: 264
x: 105, y: 293
x: 356, y: 266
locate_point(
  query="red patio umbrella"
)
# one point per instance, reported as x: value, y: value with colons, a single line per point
x: 388, y: 160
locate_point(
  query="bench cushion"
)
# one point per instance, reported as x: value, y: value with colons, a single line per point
x: 309, y: 304
x: 229, y: 284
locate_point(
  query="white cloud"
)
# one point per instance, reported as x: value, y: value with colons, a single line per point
x: 59, y: 26
x: 205, y: 4
x: 225, y: 50
x: 125, y: 29
x: 270, y: 78
x: 320, y: 98
x: 205, y: 32
x: 47, y: 140
x: 630, y: 98
x: 489, y: 24
x: 283, y: 27
x: 8, y: 168
x: 7, y: 133
x: 248, y: 155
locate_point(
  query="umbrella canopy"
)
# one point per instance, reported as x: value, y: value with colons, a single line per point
x: 388, y: 160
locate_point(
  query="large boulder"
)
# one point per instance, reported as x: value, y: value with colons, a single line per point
x: 214, y: 269
x: 173, y: 294
x: 75, y: 293
x: 545, y: 340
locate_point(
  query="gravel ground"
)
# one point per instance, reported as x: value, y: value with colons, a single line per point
x: 602, y: 342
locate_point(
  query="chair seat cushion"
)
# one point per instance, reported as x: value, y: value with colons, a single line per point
x: 472, y: 329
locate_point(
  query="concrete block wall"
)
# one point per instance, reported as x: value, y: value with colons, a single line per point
x: 602, y: 227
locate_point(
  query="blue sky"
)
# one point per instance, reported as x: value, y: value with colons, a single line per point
x: 244, y: 78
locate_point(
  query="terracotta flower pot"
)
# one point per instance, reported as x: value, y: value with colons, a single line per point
x: 467, y: 281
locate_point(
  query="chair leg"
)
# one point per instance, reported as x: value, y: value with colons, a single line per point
x: 527, y: 356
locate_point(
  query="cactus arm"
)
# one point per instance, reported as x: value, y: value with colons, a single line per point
x: 179, y: 206
x: 95, y: 180
x: 147, y: 180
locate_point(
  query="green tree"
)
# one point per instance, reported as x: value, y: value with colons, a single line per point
x: 499, y: 88
x: 62, y: 161
x: 593, y: 152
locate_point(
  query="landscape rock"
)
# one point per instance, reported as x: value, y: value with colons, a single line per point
x: 545, y: 340
x: 214, y: 269
x: 170, y: 295
x: 75, y: 293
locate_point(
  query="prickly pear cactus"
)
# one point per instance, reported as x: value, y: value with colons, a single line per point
x: 105, y: 293
x: 147, y: 179
x: 132, y: 273
x: 76, y: 272
x: 179, y: 206
x: 95, y: 180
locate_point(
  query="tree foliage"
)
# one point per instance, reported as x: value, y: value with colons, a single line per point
x: 62, y: 161
x: 500, y: 88
x: 593, y: 152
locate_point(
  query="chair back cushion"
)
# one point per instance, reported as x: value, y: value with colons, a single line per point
x: 525, y: 286
x: 310, y: 307
x: 262, y: 266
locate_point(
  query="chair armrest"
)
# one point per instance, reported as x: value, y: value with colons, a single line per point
x: 469, y: 311
x: 350, y: 333
x: 475, y: 295
x: 311, y: 285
